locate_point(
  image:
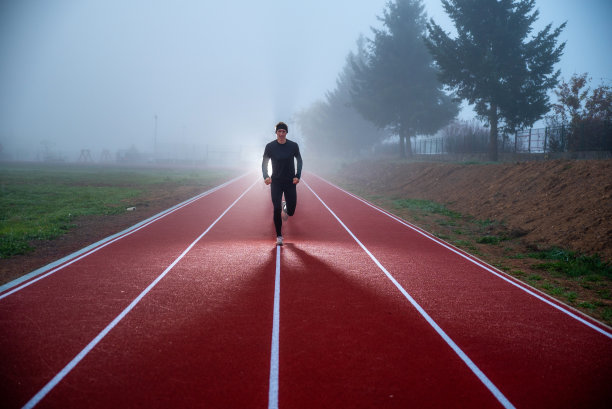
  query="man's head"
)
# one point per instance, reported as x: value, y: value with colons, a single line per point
x: 282, y: 125
x: 281, y: 131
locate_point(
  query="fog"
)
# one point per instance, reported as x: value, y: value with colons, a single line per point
x: 191, y: 78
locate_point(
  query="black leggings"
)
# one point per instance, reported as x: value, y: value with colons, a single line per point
x: 277, y: 188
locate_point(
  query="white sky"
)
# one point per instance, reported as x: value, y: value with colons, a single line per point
x: 94, y: 73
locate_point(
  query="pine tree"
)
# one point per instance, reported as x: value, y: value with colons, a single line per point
x: 355, y: 132
x: 333, y: 124
x: 494, y: 64
x: 397, y: 86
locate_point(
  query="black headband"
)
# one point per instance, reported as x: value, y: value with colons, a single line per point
x: 282, y: 125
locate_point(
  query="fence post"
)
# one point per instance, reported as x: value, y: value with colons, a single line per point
x: 563, y: 143
x: 529, y: 143
x: 515, y: 140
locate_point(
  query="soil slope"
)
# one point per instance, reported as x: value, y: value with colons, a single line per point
x: 563, y: 203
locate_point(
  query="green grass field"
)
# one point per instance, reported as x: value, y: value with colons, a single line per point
x: 40, y: 202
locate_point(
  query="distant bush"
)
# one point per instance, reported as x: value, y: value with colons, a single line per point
x: 465, y: 137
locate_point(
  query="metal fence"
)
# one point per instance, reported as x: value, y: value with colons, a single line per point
x: 533, y: 140
x: 595, y: 136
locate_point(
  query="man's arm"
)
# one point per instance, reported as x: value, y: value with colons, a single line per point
x: 264, y: 163
x: 298, y: 157
x: 264, y: 167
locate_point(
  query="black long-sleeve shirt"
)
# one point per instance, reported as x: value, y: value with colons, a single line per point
x: 282, y: 155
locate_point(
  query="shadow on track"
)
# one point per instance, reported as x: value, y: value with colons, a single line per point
x: 347, y: 333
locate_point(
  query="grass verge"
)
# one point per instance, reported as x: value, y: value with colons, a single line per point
x: 41, y: 202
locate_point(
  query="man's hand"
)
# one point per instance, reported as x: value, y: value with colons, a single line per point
x: 296, y: 181
x: 267, y: 181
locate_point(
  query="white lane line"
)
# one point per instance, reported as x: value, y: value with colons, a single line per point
x: 78, y: 255
x: 481, y: 376
x: 66, y: 370
x: 273, y: 391
x: 522, y: 286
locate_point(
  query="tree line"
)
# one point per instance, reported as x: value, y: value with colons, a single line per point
x: 409, y: 78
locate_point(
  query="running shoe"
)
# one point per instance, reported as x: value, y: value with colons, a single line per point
x: 279, y: 240
x: 285, y: 215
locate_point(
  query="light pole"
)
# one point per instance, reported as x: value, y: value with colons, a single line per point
x: 155, y: 140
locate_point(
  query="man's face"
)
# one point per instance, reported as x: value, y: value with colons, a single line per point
x: 281, y: 134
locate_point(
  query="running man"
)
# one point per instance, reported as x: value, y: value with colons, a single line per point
x: 284, y: 178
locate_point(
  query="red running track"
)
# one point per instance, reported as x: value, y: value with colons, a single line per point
x: 198, y: 308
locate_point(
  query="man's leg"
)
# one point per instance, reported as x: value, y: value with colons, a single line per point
x: 291, y: 198
x: 276, y: 192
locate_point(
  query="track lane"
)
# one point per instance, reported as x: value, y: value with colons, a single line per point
x: 201, y: 337
x: 348, y: 338
x: 45, y: 271
x: 537, y: 355
x: 43, y: 326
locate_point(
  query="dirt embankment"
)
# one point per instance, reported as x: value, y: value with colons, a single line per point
x: 563, y: 203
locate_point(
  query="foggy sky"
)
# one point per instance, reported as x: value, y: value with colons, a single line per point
x: 94, y: 73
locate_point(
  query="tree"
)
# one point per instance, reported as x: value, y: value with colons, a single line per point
x: 313, y: 124
x: 494, y: 65
x: 333, y: 124
x: 574, y: 104
x: 396, y: 86
x: 355, y: 132
x: 588, y: 117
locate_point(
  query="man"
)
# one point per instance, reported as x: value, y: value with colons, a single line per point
x: 284, y: 178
